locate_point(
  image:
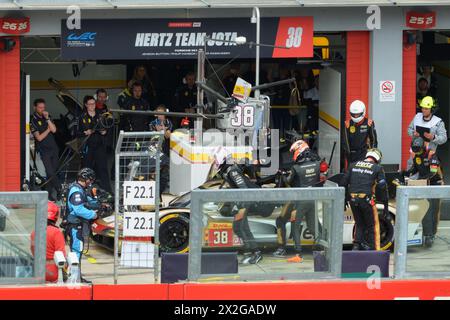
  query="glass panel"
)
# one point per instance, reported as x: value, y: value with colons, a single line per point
x: 428, y: 238
x: 17, y: 222
x: 252, y: 234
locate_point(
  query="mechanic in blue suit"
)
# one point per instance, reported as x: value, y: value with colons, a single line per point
x: 81, y: 210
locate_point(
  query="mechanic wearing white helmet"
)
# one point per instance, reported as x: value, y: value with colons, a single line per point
x: 428, y: 126
x: 360, y: 181
x: 359, y: 134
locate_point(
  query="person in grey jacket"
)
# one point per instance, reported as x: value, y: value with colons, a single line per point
x: 428, y: 126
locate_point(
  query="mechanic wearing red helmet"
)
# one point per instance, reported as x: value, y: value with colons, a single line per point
x: 304, y: 173
x: 359, y: 134
x: 360, y: 182
x: 55, y: 242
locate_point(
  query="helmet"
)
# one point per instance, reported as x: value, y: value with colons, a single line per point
x: 52, y: 211
x: 375, y: 154
x: 417, y: 144
x: 427, y: 102
x: 357, y: 110
x: 299, y: 148
x: 86, y: 174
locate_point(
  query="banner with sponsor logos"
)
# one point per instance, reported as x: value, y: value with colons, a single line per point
x: 140, y: 39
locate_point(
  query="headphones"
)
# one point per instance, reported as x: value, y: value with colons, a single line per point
x: 95, y: 95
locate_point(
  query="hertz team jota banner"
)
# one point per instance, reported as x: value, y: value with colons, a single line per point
x: 139, y: 39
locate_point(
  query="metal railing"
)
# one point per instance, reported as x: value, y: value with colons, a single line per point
x: 332, y: 199
x: 137, y: 160
x: 20, y: 214
x: 404, y: 196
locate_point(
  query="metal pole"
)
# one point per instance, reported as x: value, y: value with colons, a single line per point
x: 256, y: 14
x: 157, y: 186
x: 27, y: 127
x: 116, y: 205
x: 198, y: 124
x: 401, y: 233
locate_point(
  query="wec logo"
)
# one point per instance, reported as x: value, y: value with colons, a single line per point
x: 86, y: 36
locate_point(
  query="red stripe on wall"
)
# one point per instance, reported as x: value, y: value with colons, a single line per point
x: 357, y: 83
x: 10, y: 119
x: 408, y: 96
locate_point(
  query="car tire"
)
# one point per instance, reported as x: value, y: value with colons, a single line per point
x: 387, y: 234
x: 174, y: 233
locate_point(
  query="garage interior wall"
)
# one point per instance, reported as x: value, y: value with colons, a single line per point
x: 10, y: 118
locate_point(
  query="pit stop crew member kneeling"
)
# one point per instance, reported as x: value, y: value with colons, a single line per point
x: 360, y: 181
x: 359, y: 134
x: 55, y: 242
x: 426, y: 164
x: 235, y: 175
x: 80, y: 212
x: 304, y: 173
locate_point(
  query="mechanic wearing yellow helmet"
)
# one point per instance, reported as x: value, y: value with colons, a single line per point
x: 428, y: 126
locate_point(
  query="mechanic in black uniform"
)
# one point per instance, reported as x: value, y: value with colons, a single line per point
x: 360, y: 181
x: 43, y: 130
x: 426, y: 164
x: 136, y: 122
x: 186, y: 97
x: 237, y: 177
x: 305, y: 172
x: 94, y: 149
x: 359, y: 134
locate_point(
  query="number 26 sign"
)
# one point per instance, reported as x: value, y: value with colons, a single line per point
x: 138, y: 193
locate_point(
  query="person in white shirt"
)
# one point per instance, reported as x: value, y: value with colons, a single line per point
x: 430, y: 127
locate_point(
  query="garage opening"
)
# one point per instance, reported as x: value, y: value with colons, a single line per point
x: 50, y: 76
x: 433, y: 79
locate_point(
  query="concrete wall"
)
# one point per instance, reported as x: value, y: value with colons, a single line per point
x: 325, y: 19
x: 386, y: 64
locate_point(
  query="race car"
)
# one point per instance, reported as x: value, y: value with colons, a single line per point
x: 218, y: 230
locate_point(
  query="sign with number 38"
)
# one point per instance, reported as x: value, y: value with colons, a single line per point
x: 296, y: 34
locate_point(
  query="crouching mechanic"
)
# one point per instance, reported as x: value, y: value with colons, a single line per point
x: 237, y: 177
x: 55, y: 242
x: 360, y: 182
x: 426, y: 164
x: 80, y: 212
x: 304, y: 173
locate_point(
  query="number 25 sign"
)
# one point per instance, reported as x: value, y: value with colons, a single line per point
x: 419, y: 20
x: 138, y: 193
